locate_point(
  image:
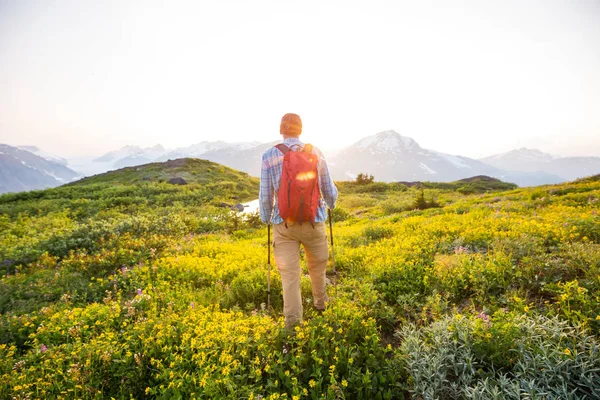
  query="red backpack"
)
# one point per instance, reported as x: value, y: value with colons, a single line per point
x: 298, y: 196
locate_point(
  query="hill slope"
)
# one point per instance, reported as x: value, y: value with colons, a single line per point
x: 191, y: 169
x: 140, y: 190
x: 140, y: 289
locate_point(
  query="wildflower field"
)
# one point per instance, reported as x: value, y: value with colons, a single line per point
x: 124, y: 286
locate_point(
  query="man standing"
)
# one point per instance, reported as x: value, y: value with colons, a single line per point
x: 305, y: 225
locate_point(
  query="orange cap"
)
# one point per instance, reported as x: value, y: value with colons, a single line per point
x: 291, y: 125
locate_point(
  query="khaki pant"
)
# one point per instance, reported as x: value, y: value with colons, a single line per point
x: 286, y: 248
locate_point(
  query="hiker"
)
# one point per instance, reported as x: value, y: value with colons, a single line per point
x: 305, y: 216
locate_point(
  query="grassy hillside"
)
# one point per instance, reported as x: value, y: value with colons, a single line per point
x: 150, y: 290
x: 109, y: 209
x: 193, y: 170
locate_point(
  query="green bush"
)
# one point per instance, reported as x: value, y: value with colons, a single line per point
x: 392, y: 206
x: 375, y: 233
x: 249, y: 291
x: 340, y: 214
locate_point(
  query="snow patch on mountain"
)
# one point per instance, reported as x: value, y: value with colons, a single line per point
x: 386, y: 141
x: 58, y: 178
x: 427, y: 169
x: 523, y: 154
x: 44, y: 154
x: 457, y: 161
x: 198, y: 149
x: 148, y: 153
x: 25, y: 170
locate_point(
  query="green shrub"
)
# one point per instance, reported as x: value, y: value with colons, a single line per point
x: 421, y: 203
x: 250, y: 290
x: 340, y: 214
x: 375, y: 233
x: 404, y: 280
x: 373, y: 187
x: 393, y: 206
x: 358, y: 201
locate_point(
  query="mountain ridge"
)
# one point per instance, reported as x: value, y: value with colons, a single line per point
x: 22, y: 170
x: 387, y: 155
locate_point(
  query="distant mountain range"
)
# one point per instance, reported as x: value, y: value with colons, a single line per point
x: 244, y: 156
x: 387, y: 155
x: 536, y: 162
x: 22, y: 170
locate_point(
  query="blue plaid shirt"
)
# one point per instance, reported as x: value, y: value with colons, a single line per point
x: 270, y: 176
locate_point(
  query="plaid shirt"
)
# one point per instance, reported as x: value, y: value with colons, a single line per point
x: 270, y: 176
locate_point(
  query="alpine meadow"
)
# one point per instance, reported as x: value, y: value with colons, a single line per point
x: 123, y: 285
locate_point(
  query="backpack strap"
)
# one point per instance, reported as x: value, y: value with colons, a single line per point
x: 283, y: 148
x: 308, y: 148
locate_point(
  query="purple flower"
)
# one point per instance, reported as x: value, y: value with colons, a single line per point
x: 43, y: 348
x: 139, y: 292
x: 484, y: 317
x: 460, y: 250
x: 192, y: 304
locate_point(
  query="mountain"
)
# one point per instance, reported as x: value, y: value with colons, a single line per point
x: 247, y: 159
x: 571, y: 168
x: 48, y: 156
x: 389, y: 156
x: 243, y: 156
x: 124, y: 157
x: 131, y: 155
x: 522, y: 159
x: 22, y: 170
x: 236, y: 155
x: 555, y: 169
x: 199, y: 150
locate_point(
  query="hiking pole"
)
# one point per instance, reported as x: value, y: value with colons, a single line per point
x: 269, y: 267
x: 332, y: 252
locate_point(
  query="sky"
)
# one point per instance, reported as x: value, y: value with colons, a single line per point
x: 473, y: 78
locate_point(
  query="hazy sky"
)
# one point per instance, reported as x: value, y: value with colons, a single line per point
x: 465, y: 77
